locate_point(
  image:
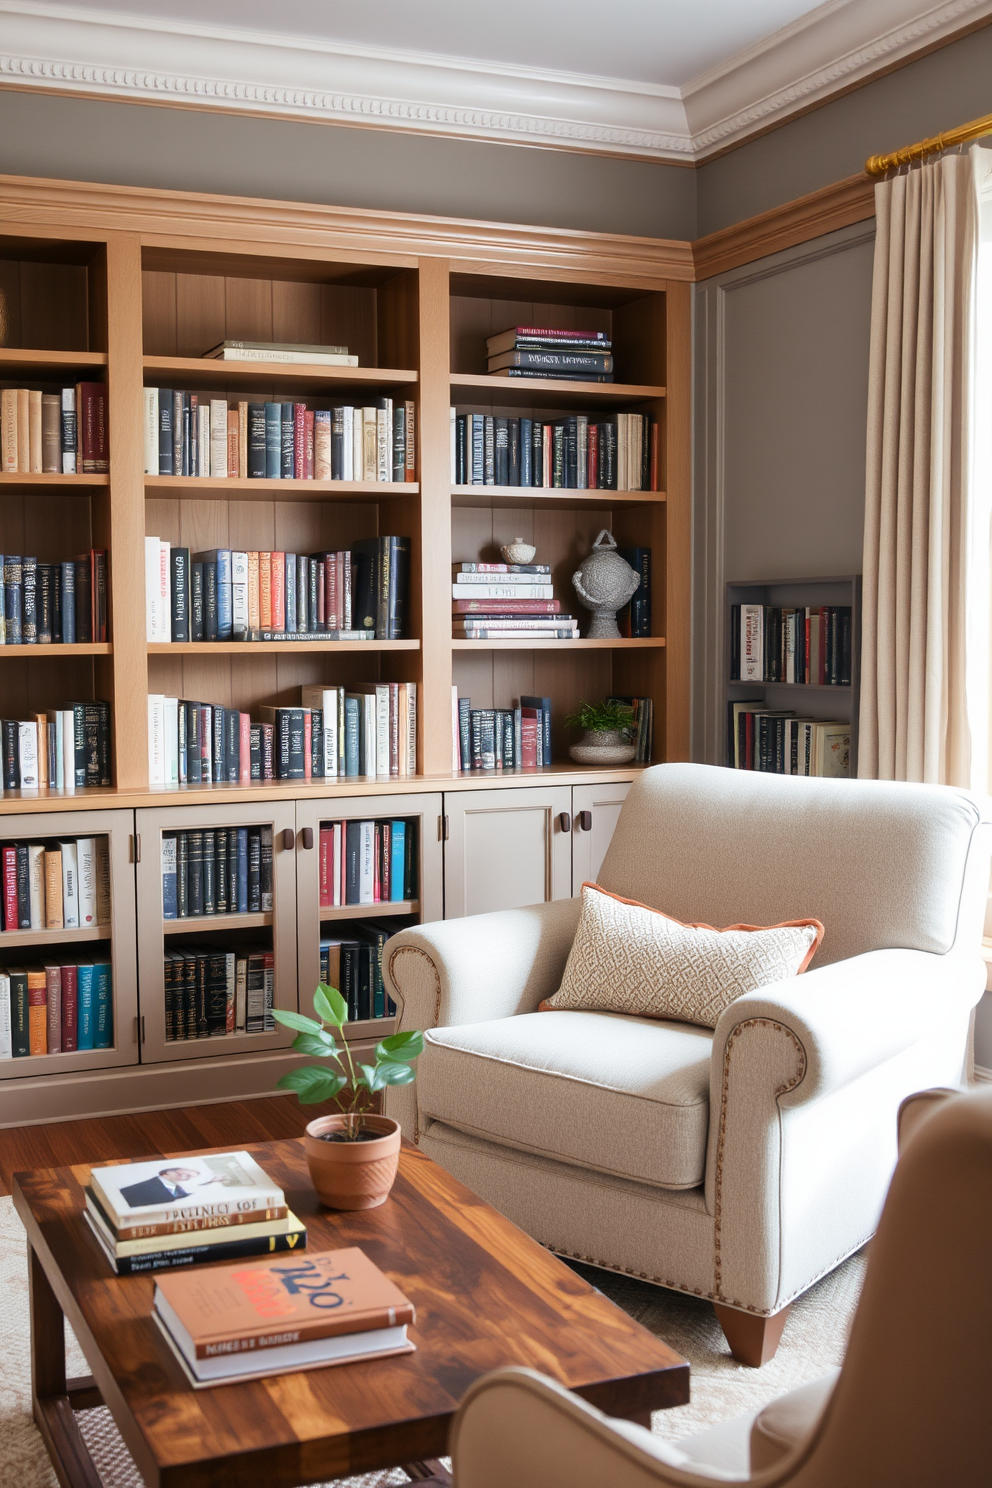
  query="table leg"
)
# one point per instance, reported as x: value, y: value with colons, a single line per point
x: 50, y: 1389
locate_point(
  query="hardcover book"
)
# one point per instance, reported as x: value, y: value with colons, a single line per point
x: 169, y: 1191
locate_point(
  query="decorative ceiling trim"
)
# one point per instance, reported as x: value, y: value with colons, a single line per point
x: 840, y: 44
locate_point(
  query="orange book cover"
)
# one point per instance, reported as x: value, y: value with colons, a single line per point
x: 264, y: 590
x: 37, y: 1010
x: 277, y: 585
x: 253, y: 592
x: 269, y: 1304
x: 243, y: 439
x: 53, y: 889
x: 233, y: 443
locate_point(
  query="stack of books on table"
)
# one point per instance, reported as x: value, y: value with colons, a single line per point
x: 153, y: 1216
x: 249, y: 1322
x: 542, y: 351
x: 508, y: 602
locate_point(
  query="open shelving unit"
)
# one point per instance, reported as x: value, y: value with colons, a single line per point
x: 134, y: 301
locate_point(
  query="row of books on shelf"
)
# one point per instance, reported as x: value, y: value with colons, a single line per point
x: 53, y: 603
x: 216, y: 871
x: 776, y: 741
x: 517, y: 738
x: 791, y: 643
x: 62, y: 885
x: 54, y: 433
x: 56, y: 1008
x: 66, y: 747
x: 213, y: 990
x: 186, y: 434
x: 366, y: 729
x: 222, y: 594
x: 542, y: 351
x: 579, y: 452
x: 366, y: 862
x: 353, y: 965
x: 162, y: 1215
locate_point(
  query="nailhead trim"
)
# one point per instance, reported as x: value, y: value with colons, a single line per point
x: 408, y: 950
x: 748, y: 1023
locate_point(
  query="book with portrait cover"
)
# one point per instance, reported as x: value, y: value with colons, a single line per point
x: 185, y: 1192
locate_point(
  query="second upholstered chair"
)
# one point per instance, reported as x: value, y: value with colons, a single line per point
x: 738, y: 1163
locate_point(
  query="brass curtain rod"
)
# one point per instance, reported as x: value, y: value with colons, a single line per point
x: 880, y: 165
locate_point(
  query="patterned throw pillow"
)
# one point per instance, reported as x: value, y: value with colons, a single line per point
x: 629, y: 958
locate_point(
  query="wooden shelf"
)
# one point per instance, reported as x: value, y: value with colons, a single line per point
x: 64, y: 483
x: 16, y: 360
x: 297, y: 376
x: 538, y: 391
x: 38, y: 651
x: 796, y: 686
x: 549, y: 496
x: 369, y: 911
x: 269, y: 648
x: 584, y: 643
x: 53, y: 937
x: 234, y: 488
x: 194, y: 924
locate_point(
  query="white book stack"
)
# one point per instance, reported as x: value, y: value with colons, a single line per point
x: 509, y: 602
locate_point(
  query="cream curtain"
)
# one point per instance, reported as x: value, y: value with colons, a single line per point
x: 925, y: 613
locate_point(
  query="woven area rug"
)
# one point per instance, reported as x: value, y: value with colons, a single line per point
x: 814, y: 1340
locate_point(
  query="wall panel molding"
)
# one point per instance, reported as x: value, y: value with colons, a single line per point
x: 800, y: 221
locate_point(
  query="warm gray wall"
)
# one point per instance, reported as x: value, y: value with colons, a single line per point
x: 948, y: 87
x: 128, y: 144
x: 781, y: 361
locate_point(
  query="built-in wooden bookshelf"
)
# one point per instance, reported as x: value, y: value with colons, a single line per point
x: 131, y: 288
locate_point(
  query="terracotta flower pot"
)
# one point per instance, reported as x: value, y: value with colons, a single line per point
x: 353, y: 1175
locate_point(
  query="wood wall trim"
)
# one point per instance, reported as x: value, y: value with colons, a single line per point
x: 174, y: 216
x: 840, y: 205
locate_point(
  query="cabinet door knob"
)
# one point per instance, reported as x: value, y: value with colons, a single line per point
x: 564, y: 821
x: 584, y: 821
x: 288, y: 839
x: 307, y: 834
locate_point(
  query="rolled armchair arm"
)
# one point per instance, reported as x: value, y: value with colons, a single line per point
x: 517, y: 1426
x: 850, y: 1017
x: 479, y: 968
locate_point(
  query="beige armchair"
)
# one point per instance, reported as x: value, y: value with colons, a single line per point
x: 909, y: 1408
x: 739, y: 1164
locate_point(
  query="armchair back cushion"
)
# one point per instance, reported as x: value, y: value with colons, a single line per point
x: 881, y: 864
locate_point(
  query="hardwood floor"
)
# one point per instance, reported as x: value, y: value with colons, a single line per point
x: 106, y: 1138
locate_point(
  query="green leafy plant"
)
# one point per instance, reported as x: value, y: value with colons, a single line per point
x: 606, y: 717
x: 350, y: 1089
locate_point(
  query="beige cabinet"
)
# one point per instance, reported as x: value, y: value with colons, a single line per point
x: 506, y: 848
x: 106, y: 838
x: 595, y: 813
x: 179, y: 968
x: 321, y: 920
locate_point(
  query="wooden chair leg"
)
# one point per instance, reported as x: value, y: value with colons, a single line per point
x: 753, y: 1340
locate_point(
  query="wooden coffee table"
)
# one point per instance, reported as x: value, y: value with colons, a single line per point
x: 486, y: 1296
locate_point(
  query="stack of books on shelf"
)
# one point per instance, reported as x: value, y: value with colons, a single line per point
x: 353, y: 965
x: 288, y: 353
x: 56, y: 885
x: 788, y: 643
x: 543, y: 351
x: 366, y: 862
x: 367, y: 729
x: 508, y: 601
x: 54, y: 603
x: 214, y: 990
x: 216, y: 871
x: 580, y: 452
x: 186, y: 434
x: 517, y: 738
x: 54, y: 433
x: 776, y: 741
x: 65, y: 1005
x: 177, y: 1212
x: 67, y: 747
x: 358, y: 594
x: 251, y: 1322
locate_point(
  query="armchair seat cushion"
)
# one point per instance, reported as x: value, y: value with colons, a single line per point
x: 622, y: 1095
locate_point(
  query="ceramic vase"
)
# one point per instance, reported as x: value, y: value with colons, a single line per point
x: 353, y: 1175
x: 602, y: 747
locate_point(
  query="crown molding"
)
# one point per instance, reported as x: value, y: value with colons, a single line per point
x: 839, y: 45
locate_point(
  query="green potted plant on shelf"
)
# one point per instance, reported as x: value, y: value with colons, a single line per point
x: 607, y: 733
x: 352, y: 1155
